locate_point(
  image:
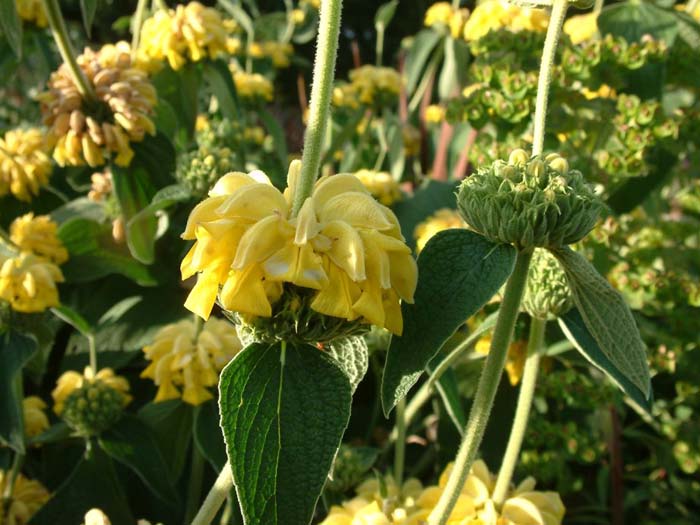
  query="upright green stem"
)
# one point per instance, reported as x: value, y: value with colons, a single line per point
x: 319, y: 107
x: 60, y: 36
x: 92, y: 350
x: 522, y: 411
x: 400, y: 447
x: 598, y: 6
x: 379, y: 50
x: 194, y: 485
x: 216, y: 497
x: 556, y: 21
x: 486, y: 390
x: 136, y: 24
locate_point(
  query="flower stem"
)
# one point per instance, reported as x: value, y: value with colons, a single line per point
x: 522, y: 411
x: 319, y: 108
x: 136, y: 24
x: 400, y: 447
x: 216, y: 497
x: 556, y: 21
x: 60, y: 36
x: 92, y: 350
x: 486, y: 390
x: 194, y: 486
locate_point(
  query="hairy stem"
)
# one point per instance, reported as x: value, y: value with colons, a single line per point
x: 486, y: 390
x: 556, y: 21
x: 216, y: 497
x: 319, y: 108
x: 60, y: 36
x: 522, y: 411
x: 92, y: 352
x: 194, y: 485
x: 400, y: 448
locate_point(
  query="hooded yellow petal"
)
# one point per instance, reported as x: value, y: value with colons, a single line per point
x: 298, y: 265
x: 202, y: 297
x: 254, y: 202
x: 404, y: 275
x: 370, y: 304
x: 307, y: 225
x: 347, y: 249
x: 358, y: 210
x: 203, y: 212
x: 336, y: 299
x: 244, y: 291
x: 329, y: 187
x: 261, y: 241
x: 231, y: 182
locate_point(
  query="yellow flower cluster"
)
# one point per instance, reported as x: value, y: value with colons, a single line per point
x: 581, y: 27
x: 496, y: 14
x: 381, y: 185
x: 411, y: 139
x: 604, y: 91
x: 24, y: 164
x: 279, y: 53
x: 28, y: 496
x: 184, y: 358
x: 189, y: 32
x: 71, y: 381
x: 515, y: 362
x: 38, y: 235
x: 83, y: 133
x: 343, y: 244
x: 413, y: 504
x: 35, y: 420
x: 252, y: 86
x: 434, y: 114
x: 28, y: 282
x: 367, y: 84
x: 442, y: 13
x: 32, y: 11
x: 443, y: 219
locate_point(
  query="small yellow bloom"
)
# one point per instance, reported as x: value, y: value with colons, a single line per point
x: 369, y: 82
x: 189, y: 32
x: 381, y: 185
x: 434, y: 114
x: 252, y: 85
x: 582, y: 27
x: 343, y: 244
x: 28, y: 282
x: 279, y: 53
x: 84, y: 134
x: 443, y: 219
x: 24, y: 164
x: 35, y: 420
x: 32, y: 11
x: 438, y: 13
x: 345, y: 95
x: 28, y: 496
x: 515, y: 361
x: 604, y: 91
x: 71, y: 381
x: 186, y: 364
x: 497, y: 14
x: 39, y: 236
x: 411, y: 140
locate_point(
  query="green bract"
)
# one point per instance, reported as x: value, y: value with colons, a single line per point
x: 547, y: 292
x: 93, y: 408
x: 529, y: 202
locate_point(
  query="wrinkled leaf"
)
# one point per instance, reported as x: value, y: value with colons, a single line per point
x: 352, y: 356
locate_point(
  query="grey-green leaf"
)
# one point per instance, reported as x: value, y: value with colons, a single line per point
x: 458, y: 272
x: 283, y: 422
x: 352, y: 356
x: 384, y: 14
x: 608, y: 318
x: 15, y: 350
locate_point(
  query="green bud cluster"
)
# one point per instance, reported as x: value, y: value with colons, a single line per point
x: 547, y: 293
x: 93, y: 408
x: 529, y: 202
x: 199, y: 169
x: 350, y: 467
x: 293, y: 320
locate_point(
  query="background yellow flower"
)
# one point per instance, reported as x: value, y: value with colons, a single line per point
x: 28, y: 282
x: 28, y: 496
x: 38, y: 234
x: 24, y: 163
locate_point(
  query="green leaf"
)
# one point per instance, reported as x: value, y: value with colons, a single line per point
x: 283, y: 413
x: 352, y: 356
x: 448, y: 389
x: 458, y: 272
x: 88, y: 9
x: 93, y: 483
x: 384, y: 14
x: 208, y: 436
x: 574, y: 327
x: 220, y: 81
x: 397, y: 150
x: 130, y: 190
x: 423, y: 45
x: 278, y: 136
x: 172, y: 423
x: 73, y: 318
x: 607, y: 317
x: 165, y: 198
x: 131, y: 442
x: 181, y: 90
x: 11, y: 25
x: 454, y: 67
x: 633, y: 20
x: 15, y: 351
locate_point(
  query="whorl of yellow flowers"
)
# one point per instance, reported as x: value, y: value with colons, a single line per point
x: 28, y: 282
x: 189, y: 32
x: 38, y: 234
x: 252, y: 86
x: 24, y: 163
x: 87, y: 133
x: 71, y: 381
x: 344, y: 246
x: 369, y: 81
x: 32, y: 11
x: 34, y: 413
x: 442, y: 13
x: 443, y: 219
x: 496, y: 14
x: 278, y: 52
x: 381, y: 185
x: 186, y: 363
x: 28, y: 496
x: 524, y: 506
x: 434, y: 114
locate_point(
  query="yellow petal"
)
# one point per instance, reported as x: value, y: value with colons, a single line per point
x: 347, y: 249
x: 404, y: 275
x: 229, y: 183
x: 244, y: 291
x: 204, y: 211
x: 261, y: 241
x: 392, y: 312
x: 369, y: 305
x: 307, y: 225
x: 298, y: 265
x: 254, y: 202
x: 358, y: 210
x: 336, y: 299
x: 202, y: 297
x: 328, y: 187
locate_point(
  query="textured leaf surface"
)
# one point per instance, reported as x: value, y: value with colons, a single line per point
x: 207, y: 434
x: 15, y: 351
x: 574, y: 328
x: 172, y: 423
x: 608, y: 318
x: 283, y: 423
x: 352, y: 356
x: 458, y: 272
x: 129, y: 187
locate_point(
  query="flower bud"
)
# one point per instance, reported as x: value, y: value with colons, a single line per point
x: 529, y: 204
x: 547, y: 293
x: 92, y: 408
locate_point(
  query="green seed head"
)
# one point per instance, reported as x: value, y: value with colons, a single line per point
x: 547, y: 292
x: 93, y: 408
x: 529, y: 202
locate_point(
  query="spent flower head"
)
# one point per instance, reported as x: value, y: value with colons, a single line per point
x: 24, y: 163
x: 547, y: 293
